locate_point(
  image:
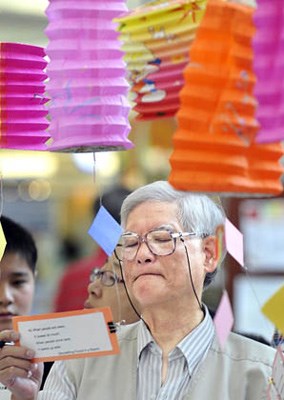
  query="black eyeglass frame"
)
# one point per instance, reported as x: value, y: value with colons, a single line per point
x: 97, y: 273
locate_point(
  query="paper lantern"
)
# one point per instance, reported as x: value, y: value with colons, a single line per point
x: 156, y: 38
x: 265, y: 169
x: 268, y: 47
x: 214, y: 149
x: 88, y: 87
x: 23, y: 113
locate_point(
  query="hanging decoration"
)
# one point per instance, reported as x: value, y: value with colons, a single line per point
x: 23, y: 122
x: 214, y: 148
x: 268, y: 45
x: 87, y: 77
x: 156, y: 37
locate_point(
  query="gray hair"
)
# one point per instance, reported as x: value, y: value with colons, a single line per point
x: 196, y: 212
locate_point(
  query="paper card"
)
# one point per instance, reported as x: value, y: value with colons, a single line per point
x: 278, y: 372
x: 273, y: 309
x: 2, y: 242
x: 105, y: 231
x: 66, y: 335
x: 234, y: 242
x: 223, y: 319
x: 5, y: 394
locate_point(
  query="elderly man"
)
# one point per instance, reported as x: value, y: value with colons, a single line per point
x: 167, y: 254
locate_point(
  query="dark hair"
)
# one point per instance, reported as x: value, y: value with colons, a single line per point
x: 20, y: 241
x: 112, y: 200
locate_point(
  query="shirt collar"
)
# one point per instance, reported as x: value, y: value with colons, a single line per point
x: 194, y: 346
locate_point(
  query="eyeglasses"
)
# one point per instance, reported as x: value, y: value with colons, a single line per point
x: 160, y: 242
x: 107, y: 277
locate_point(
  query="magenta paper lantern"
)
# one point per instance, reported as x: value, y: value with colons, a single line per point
x: 87, y: 84
x: 269, y: 66
x: 23, y: 123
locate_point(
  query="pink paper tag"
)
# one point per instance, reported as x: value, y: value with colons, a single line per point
x: 224, y: 319
x: 278, y: 372
x: 234, y: 242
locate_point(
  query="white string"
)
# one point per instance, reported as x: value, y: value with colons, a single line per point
x: 249, y: 278
x: 117, y: 294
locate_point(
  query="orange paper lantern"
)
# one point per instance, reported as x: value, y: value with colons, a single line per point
x: 216, y: 120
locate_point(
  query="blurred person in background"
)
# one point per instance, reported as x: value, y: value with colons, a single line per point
x: 18, y: 270
x: 17, y: 276
x: 72, y: 287
x: 107, y: 288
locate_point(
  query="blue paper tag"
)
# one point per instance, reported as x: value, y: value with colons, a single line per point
x: 105, y: 231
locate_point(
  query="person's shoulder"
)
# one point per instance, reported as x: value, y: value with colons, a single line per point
x: 242, y: 348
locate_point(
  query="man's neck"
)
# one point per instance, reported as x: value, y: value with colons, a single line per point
x: 168, y: 329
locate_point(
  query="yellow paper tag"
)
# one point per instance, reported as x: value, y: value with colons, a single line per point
x: 273, y: 309
x: 2, y: 242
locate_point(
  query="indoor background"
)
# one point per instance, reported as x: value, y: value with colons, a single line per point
x: 52, y: 194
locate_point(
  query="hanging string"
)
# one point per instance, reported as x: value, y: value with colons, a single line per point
x: 96, y: 179
x: 190, y: 274
x: 120, y: 320
x: 128, y: 296
x: 250, y: 281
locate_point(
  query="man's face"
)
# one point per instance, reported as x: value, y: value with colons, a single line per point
x: 17, y: 286
x: 163, y: 280
x: 112, y: 296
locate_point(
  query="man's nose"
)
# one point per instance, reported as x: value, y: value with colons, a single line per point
x: 95, y: 288
x: 144, y: 254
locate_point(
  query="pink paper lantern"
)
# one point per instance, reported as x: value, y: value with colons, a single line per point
x: 23, y: 123
x: 269, y: 65
x: 87, y: 85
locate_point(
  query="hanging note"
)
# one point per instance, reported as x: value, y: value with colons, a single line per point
x: 105, y: 230
x: 223, y: 319
x: 273, y: 309
x: 234, y: 242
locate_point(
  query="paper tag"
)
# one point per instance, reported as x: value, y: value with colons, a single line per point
x: 278, y: 372
x: 234, y: 242
x: 223, y: 319
x: 66, y: 335
x: 5, y: 394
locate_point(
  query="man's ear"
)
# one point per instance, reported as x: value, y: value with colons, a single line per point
x: 210, y: 250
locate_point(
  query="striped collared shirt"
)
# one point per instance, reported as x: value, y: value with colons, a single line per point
x: 183, y: 360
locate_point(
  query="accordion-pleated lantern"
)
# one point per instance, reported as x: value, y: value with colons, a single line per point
x: 213, y: 146
x: 23, y: 122
x: 87, y: 77
x: 156, y: 38
x: 268, y: 45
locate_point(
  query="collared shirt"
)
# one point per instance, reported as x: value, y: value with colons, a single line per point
x: 182, y: 362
